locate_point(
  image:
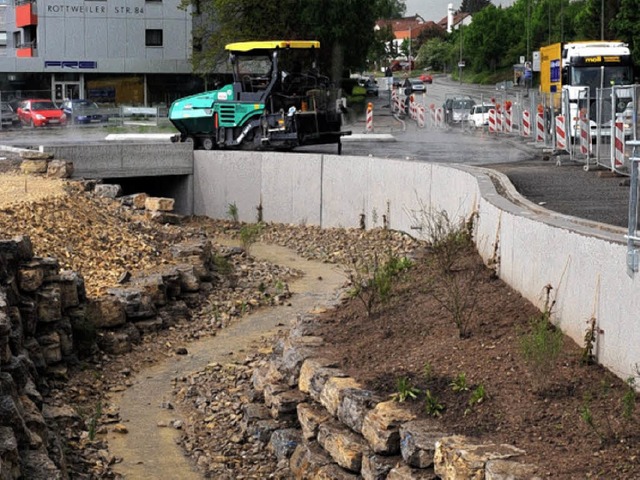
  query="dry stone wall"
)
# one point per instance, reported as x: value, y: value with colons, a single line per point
x: 328, y: 426
x: 47, y: 322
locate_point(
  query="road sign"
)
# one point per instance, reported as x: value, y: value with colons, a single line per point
x: 461, y: 64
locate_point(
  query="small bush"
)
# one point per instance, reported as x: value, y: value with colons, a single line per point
x: 249, y: 234
x: 541, y: 348
x: 404, y: 390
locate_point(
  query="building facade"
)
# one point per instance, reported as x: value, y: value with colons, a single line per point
x: 134, y: 52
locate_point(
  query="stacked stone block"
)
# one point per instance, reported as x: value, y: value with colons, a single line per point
x: 344, y: 431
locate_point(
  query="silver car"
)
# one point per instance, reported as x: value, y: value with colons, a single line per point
x: 8, y: 117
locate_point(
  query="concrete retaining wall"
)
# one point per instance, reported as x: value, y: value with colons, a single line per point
x: 585, y: 263
x: 112, y: 160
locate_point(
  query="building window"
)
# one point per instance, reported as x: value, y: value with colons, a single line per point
x: 153, y: 38
x: 3, y: 39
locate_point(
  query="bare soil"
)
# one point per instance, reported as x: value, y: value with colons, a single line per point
x: 570, y: 420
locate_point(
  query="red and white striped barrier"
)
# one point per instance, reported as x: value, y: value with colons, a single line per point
x: 561, y: 133
x: 492, y: 121
x: 432, y: 116
x: 394, y: 100
x: 439, y: 117
x: 618, y: 152
x: 369, y: 125
x: 421, y: 115
x: 508, y: 121
x: 526, y: 123
x: 585, y: 135
x: 539, y: 127
x: 499, y: 122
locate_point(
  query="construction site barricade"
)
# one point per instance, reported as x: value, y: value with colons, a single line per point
x: 421, y: 116
x: 439, y: 117
x: 539, y: 127
x: 508, y: 121
x: 561, y: 133
x: 526, y: 123
x: 369, y: 124
x: 585, y: 135
x: 492, y: 120
x: 618, y: 147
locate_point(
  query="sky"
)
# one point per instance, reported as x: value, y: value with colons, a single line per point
x: 436, y: 10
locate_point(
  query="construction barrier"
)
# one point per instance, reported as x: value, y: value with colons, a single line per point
x: 432, y: 116
x: 492, y: 121
x: 526, y: 123
x: 421, y: 115
x: 561, y: 133
x: 585, y: 135
x: 499, y: 121
x: 439, y: 117
x: 508, y: 121
x: 369, y: 126
x: 539, y: 127
x: 618, y: 153
x: 394, y: 101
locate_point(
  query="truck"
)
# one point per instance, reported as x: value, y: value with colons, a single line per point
x: 277, y: 100
x: 578, y: 69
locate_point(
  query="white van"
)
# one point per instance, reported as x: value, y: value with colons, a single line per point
x: 479, y: 115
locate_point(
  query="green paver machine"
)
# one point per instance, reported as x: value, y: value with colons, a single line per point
x: 277, y: 100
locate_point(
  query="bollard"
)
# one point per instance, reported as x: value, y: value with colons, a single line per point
x: 526, y: 123
x: 618, y: 155
x: 492, y: 120
x: 421, y: 115
x: 539, y: 127
x: 561, y: 133
x: 369, y: 126
x: 585, y: 135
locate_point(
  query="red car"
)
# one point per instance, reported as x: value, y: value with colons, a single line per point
x: 40, y: 113
x: 426, y: 78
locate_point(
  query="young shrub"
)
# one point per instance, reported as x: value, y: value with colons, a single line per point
x: 372, y: 283
x: 432, y: 406
x: 541, y: 348
x: 232, y: 212
x: 249, y: 234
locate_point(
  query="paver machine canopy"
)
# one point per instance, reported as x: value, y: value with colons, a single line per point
x: 277, y: 100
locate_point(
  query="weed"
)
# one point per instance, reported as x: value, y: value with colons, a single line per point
x: 222, y: 265
x: 541, y: 347
x: 459, y: 384
x: 93, y: 421
x: 427, y: 370
x: 280, y: 287
x: 232, y: 212
x: 629, y: 398
x: 259, y: 212
x: 372, y: 283
x: 432, y: 406
x: 478, y: 395
x: 589, y: 342
x: 404, y: 390
x: 249, y: 234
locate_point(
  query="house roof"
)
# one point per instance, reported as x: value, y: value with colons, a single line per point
x: 458, y: 17
x: 406, y: 27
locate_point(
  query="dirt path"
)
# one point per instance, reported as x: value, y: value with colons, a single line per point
x: 150, y: 451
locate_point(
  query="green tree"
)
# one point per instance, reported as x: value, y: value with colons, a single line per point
x: 625, y: 26
x: 343, y: 27
x: 434, y: 53
x: 473, y: 6
x: 483, y: 41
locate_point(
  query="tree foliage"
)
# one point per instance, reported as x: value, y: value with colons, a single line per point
x: 343, y: 27
x: 473, y: 6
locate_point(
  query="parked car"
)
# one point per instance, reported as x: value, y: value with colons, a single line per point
x: 426, y: 78
x: 8, y: 116
x: 457, y: 108
x: 83, y: 111
x: 415, y: 85
x: 370, y: 85
x: 479, y: 115
x: 40, y: 113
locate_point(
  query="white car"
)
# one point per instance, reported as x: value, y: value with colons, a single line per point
x: 479, y: 115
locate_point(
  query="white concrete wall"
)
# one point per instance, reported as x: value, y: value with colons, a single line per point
x: 584, y: 263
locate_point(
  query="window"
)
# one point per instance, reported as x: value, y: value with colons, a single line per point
x: 153, y: 38
x: 3, y: 39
